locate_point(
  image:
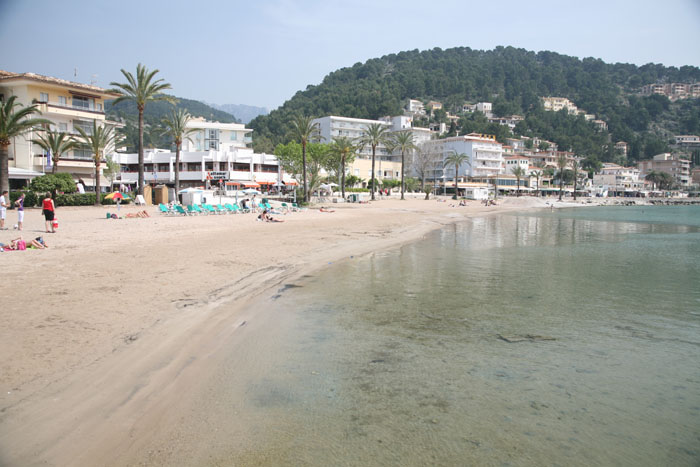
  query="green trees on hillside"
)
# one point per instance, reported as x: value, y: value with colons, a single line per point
x: 512, y: 79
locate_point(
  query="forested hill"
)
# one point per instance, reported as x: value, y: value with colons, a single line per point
x: 513, y: 80
x: 155, y: 111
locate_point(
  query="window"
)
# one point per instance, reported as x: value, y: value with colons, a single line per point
x: 63, y: 127
x: 234, y: 136
x: 43, y: 97
x: 213, y: 144
x: 357, y: 172
x: 86, y: 126
x: 61, y: 100
x: 99, y: 107
x: 83, y: 102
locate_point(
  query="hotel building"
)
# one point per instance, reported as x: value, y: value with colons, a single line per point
x: 68, y: 105
x: 217, y: 152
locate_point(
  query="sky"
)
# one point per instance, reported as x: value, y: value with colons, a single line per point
x: 262, y: 52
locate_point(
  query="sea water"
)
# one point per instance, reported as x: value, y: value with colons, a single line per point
x: 550, y: 338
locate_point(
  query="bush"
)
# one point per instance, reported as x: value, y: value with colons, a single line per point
x: 357, y: 190
x: 75, y: 199
x: 61, y: 182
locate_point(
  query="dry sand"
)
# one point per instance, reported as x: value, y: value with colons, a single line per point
x: 118, y: 318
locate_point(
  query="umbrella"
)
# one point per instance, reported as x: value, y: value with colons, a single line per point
x: 191, y: 190
x: 251, y: 191
x: 117, y: 195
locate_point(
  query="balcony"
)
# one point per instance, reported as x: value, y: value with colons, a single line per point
x: 70, y: 110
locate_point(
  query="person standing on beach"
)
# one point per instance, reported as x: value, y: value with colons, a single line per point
x: 20, y: 211
x: 3, y: 208
x: 48, y: 208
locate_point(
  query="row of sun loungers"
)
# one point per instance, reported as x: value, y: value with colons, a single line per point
x: 217, y: 209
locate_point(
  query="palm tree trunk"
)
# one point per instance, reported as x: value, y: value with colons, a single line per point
x: 517, y: 188
x: 561, y: 186
x: 177, y: 169
x: 141, y: 180
x: 342, y: 177
x: 456, y: 173
x: 4, y: 167
x: 54, y: 169
x: 402, y: 187
x: 97, y: 180
x: 303, y: 169
x: 373, y: 150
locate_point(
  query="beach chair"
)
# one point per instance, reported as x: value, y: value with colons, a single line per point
x: 240, y: 208
x: 198, y: 209
x: 164, y: 209
x: 209, y: 209
x: 221, y: 209
x: 180, y: 210
x: 286, y: 207
x: 191, y: 210
x: 297, y: 207
x: 230, y: 208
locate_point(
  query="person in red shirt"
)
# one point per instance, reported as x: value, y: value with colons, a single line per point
x: 48, y: 210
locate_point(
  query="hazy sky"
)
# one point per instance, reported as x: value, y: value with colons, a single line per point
x: 262, y: 52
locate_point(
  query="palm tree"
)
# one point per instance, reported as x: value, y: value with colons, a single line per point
x: 538, y: 175
x: 519, y: 173
x: 303, y: 129
x: 99, y: 140
x: 176, y: 127
x: 576, y: 167
x: 457, y: 159
x: 56, y: 144
x: 562, y: 162
x: 404, y: 143
x: 343, y: 148
x: 374, y: 135
x: 140, y: 90
x: 14, y: 123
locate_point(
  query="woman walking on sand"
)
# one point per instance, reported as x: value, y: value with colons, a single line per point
x: 48, y: 210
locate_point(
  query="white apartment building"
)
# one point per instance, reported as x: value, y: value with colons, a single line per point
x: 485, y: 156
x: 68, y: 106
x: 217, y: 152
x: 511, y: 162
x: 217, y: 136
x: 615, y: 180
x: 387, y: 165
x: 672, y: 164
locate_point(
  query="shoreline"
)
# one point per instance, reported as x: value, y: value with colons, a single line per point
x: 142, y: 365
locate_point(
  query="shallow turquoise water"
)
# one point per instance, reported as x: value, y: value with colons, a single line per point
x: 399, y: 359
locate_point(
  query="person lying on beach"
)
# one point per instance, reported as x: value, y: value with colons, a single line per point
x: 37, y: 243
x: 264, y: 216
x: 325, y: 209
x: 138, y: 214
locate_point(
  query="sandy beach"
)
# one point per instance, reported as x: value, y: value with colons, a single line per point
x: 105, y: 329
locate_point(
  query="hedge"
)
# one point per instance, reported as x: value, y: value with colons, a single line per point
x: 32, y: 199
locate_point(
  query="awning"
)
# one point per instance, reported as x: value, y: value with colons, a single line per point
x: 250, y: 184
x: 266, y: 183
x: 233, y: 183
x: 16, y: 173
x: 292, y: 182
